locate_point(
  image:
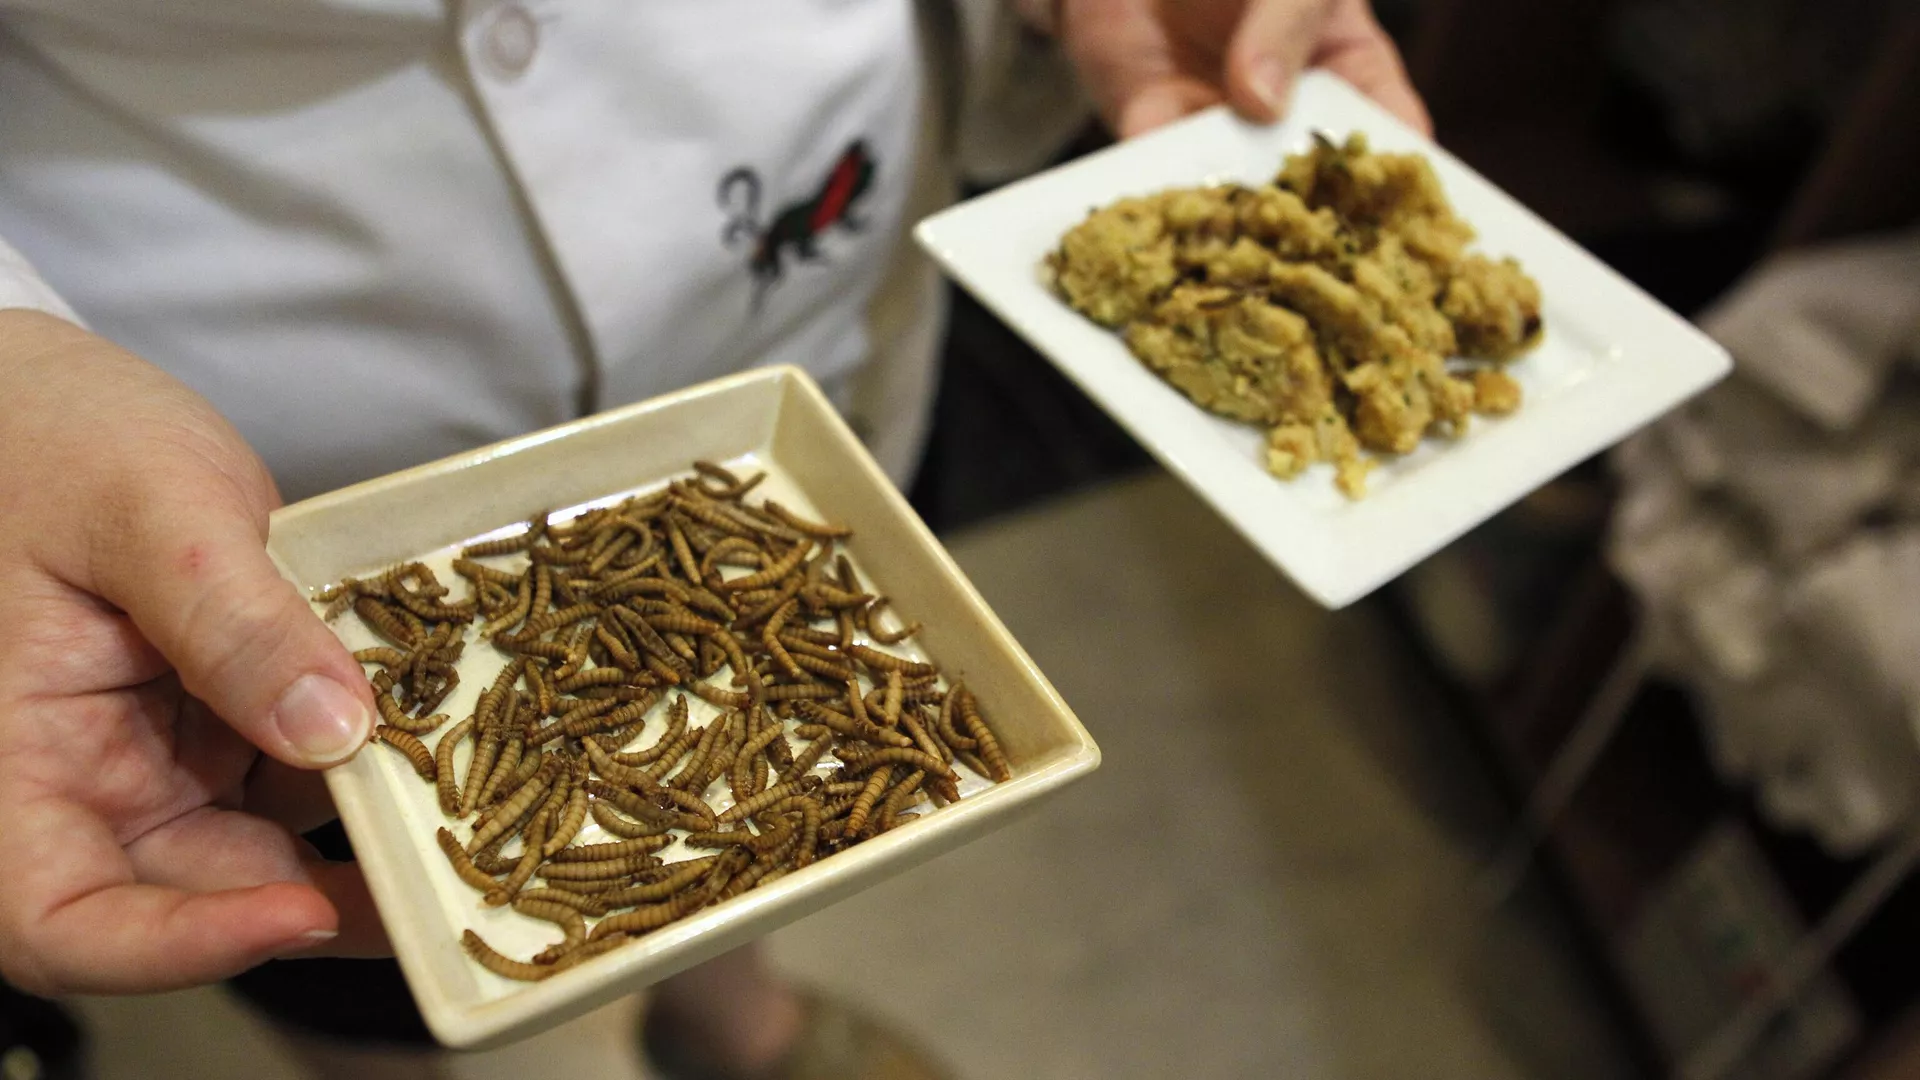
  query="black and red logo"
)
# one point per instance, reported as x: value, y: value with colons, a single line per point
x: 795, y: 231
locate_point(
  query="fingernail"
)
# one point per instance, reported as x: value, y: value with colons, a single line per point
x: 322, y: 720
x: 312, y: 939
x: 1270, y: 78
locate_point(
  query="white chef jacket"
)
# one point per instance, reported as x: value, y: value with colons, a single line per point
x: 374, y: 232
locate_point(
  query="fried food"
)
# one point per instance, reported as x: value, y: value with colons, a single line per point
x: 1337, y: 307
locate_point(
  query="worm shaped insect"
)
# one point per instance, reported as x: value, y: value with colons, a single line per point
x: 517, y: 806
x: 989, y: 746
x: 573, y: 817
x: 416, y: 752
x: 944, y: 721
x: 463, y: 866
x: 854, y: 727
x: 869, y: 796
x: 786, y: 564
x: 605, y: 817
x: 580, y: 902
x: 803, y: 762
x: 911, y: 757
x: 645, y: 845
x: 742, y: 811
x: 530, y: 859
x: 448, y: 790
x: 875, y: 660
x: 504, y: 768
x: 598, y: 870
x: 565, y: 916
x: 624, y: 775
x: 488, y: 957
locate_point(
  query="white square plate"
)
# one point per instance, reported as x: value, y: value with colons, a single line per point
x: 1613, y: 359
x: 774, y: 420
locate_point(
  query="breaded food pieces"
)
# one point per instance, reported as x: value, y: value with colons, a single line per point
x: 1494, y: 308
x: 1323, y: 306
x: 1115, y: 266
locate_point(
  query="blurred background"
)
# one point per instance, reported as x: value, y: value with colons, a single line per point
x: 1620, y: 785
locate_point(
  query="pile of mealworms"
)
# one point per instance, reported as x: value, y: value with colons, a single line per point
x: 617, y: 614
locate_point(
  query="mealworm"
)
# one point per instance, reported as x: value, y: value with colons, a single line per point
x: 506, y: 545
x: 817, y: 530
x: 778, y: 570
x: 726, y: 699
x: 803, y: 691
x: 746, y: 762
x: 383, y: 656
x: 924, y: 739
x: 626, y: 775
x: 486, y: 956
x: 897, y: 800
x: 701, y: 749
x: 641, y: 919
x: 600, y: 676
x: 383, y: 621
x: 604, y: 816
x: 770, y: 637
x: 608, y: 635
x: 633, y: 805
x: 522, y: 607
x: 572, y: 819
x: 868, y: 796
x: 580, y: 902
x: 789, y: 589
x: 880, y: 637
x: 803, y: 762
x: 895, y: 755
x: 685, y: 873
x: 828, y: 598
x: 856, y: 728
x: 599, y: 869
x: 530, y: 858
x: 517, y: 805
x: 643, y: 845
x: 609, y: 552
x: 744, y: 810
x: 449, y: 791
x: 677, y: 543
x: 415, y: 751
x: 709, y: 514
x: 485, y: 752
x: 504, y: 767
x: 692, y: 807
x: 563, y: 915
x: 944, y: 720
x: 538, y: 690
x: 875, y: 660
x: 989, y: 746
x: 582, y: 953
x: 462, y: 865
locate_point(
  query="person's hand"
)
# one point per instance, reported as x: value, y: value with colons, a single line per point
x: 1151, y: 62
x: 148, y: 653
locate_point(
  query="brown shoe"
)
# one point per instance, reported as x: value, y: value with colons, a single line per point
x: 836, y: 1042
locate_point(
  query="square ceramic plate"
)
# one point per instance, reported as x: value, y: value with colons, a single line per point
x: 1613, y: 359
x: 774, y: 420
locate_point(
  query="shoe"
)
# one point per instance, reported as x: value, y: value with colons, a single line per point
x: 837, y: 1042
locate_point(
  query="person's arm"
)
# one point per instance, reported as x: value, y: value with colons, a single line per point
x: 149, y: 654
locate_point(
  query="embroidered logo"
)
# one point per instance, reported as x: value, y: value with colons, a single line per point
x: 795, y: 231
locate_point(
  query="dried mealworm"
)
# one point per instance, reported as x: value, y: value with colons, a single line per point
x: 516, y: 806
x: 989, y: 746
x: 817, y: 530
x: 875, y: 660
x: 777, y: 571
x: 624, y: 775
x: 895, y: 755
x: 487, y: 957
x: 462, y: 865
x: 943, y: 723
x: 803, y: 762
x: 880, y: 637
x: 530, y: 859
x: 385, y: 657
x: 901, y: 797
x: 415, y: 751
x: 504, y: 768
x: 580, y: 902
x: 563, y: 915
x: 853, y: 727
x: 605, y: 817
x: 685, y: 873
x: 598, y: 870
x: 864, y: 803
x: 643, y: 845
x: 745, y: 810
x: 449, y: 791
x: 572, y: 819
x: 385, y: 621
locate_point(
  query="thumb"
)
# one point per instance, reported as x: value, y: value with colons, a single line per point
x: 1273, y: 44
x: 1126, y: 61
x: 188, y: 564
